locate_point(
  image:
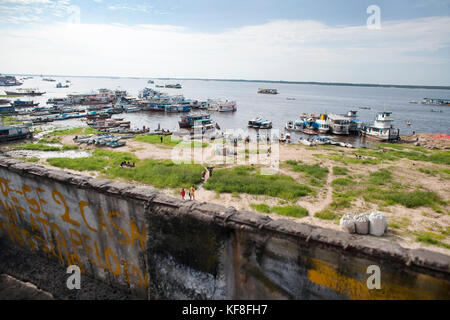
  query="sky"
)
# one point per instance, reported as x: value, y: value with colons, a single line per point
x: 401, y: 42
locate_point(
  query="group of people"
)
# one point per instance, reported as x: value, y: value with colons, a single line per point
x: 127, y: 164
x: 191, y: 193
x: 192, y: 189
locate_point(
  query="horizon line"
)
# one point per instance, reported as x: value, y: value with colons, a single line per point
x: 350, y: 84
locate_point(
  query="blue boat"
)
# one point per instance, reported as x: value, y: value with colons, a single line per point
x: 8, y: 133
x: 178, y: 108
x: 259, y: 123
x: 5, y: 110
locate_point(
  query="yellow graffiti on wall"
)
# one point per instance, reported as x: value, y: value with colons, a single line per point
x: 325, y: 274
x: 36, y: 232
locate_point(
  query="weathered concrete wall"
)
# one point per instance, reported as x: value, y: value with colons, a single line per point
x: 153, y: 246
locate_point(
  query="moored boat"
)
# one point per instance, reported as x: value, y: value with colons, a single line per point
x: 435, y: 102
x: 24, y: 104
x: 191, y: 120
x: 9, y: 133
x: 296, y: 125
x: 338, y: 124
x: 173, y: 86
x: 382, y: 128
x: 24, y: 92
x: 259, y: 123
x: 267, y: 91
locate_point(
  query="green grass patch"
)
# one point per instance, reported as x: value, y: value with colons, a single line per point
x: 156, y: 139
x: 160, y: 173
x: 32, y: 159
x: 314, y: 170
x: 340, y: 203
x: 342, y: 182
x: 380, y: 177
x: 409, y: 199
x: 80, y: 164
x: 340, y: 171
x: 417, y: 154
x: 157, y: 173
x: 9, y: 120
x: 398, y: 223
x: 245, y: 179
x: 71, y: 131
x: 291, y: 211
x: 53, y: 140
x: 37, y: 147
x: 431, y: 238
x: 325, y: 214
x: 69, y: 147
x: 65, y: 132
x: 260, y: 207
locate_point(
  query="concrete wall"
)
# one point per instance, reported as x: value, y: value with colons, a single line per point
x: 133, y: 242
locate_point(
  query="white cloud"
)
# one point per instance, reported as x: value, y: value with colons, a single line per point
x: 285, y: 49
x: 141, y: 8
x: 26, y: 1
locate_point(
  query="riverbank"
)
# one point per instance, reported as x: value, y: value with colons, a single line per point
x: 409, y: 182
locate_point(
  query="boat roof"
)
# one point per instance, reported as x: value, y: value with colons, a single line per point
x: 11, y: 127
x: 337, y: 117
x: 385, y: 112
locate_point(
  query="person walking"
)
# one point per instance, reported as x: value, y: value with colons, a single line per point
x: 182, y: 193
x: 192, y: 193
x: 161, y: 139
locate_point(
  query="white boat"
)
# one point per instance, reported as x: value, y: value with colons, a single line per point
x: 322, y: 126
x: 382, y: 128
x: 306, y: 142
x: 259, y: 123
x: 338, y: 124
x: 267, y: 91
x: 221, y: 106
x: 132, y: 109
x: 294, y: 125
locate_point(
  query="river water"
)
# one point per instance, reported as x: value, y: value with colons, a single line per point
x: 276, y: 108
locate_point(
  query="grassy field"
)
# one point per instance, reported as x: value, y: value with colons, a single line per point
x: 316, y: 174
x: 71, y: 131
x: 168, y: 141
x: 9, y: 120
x: 37, y: 147
x: 383, y: 154
x: 290, y: 210
x: 246, y: 179
x: 380, y: 187
x: 157, y: 173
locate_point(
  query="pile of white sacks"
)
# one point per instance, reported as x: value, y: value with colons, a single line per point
x: 374, y: 223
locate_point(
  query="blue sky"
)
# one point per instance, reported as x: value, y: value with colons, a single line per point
x: 306, y: 40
